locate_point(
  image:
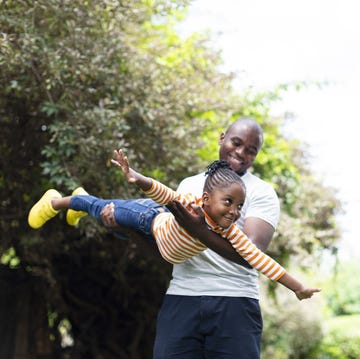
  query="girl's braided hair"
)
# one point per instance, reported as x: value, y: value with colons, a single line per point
x: 219, y: 174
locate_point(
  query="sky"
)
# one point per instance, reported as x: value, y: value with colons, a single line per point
x: 268, y: 42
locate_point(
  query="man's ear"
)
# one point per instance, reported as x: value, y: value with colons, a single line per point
x: 221, y: 138
x: 205, y: 197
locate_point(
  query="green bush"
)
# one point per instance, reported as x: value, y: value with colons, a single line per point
x: 292, y: 329
x: 337, y: 345
x: 342, y: 340
x: 342, y: 289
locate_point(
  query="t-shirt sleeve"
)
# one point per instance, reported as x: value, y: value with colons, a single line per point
x: 194, y: 185
x: 264, y: 205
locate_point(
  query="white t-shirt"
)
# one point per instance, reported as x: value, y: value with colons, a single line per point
x: 210, y: 274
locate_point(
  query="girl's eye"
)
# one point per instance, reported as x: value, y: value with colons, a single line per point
x: 240, y: 206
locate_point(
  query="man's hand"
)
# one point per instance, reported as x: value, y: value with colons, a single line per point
x: 191, y: 217
x: 108, y: 216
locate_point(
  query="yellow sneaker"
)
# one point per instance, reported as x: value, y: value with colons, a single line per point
x: 42, y: 210
x: 73, y: 217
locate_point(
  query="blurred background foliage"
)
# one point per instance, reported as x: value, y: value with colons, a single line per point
x: 80, y: 78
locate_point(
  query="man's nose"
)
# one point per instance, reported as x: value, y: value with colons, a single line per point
x: 240, y: 151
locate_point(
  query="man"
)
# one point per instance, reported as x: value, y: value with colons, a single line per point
x: 211, y: 308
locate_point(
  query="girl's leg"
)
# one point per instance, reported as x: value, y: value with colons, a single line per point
x: 73, y: 217
x: 90, y: 204
x: 60, y: 203
x: 137, y: 214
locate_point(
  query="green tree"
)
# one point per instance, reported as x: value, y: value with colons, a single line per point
x: 77, y: 80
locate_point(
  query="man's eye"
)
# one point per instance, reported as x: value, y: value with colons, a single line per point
x: 251, y: 152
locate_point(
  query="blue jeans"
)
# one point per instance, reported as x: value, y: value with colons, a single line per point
x: 137, y: 214
x: 208, y: 327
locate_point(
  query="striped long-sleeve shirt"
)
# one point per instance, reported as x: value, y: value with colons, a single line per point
x: 175, y: 244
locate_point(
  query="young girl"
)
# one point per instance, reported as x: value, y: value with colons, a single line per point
x: 221, y: 201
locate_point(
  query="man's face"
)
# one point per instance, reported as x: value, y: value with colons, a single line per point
x: 239, y: 146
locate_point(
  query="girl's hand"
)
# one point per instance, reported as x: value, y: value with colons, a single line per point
x: 122, y: 161
x: 306, y: 293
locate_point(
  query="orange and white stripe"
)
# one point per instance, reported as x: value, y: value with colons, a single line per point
x: 176, y: 245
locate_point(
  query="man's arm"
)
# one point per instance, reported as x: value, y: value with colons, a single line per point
x: 195, y: 224
x: 259, y: 231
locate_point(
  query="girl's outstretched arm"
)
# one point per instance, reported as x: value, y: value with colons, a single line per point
x: 300, y: 291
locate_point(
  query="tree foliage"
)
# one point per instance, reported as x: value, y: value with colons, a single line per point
x: 78, y: 79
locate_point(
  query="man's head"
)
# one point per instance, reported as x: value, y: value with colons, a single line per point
x: 240, y: 144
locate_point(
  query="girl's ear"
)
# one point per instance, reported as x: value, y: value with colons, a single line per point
x: 205, y: 197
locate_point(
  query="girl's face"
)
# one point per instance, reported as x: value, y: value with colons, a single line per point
x: 223, y: 205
